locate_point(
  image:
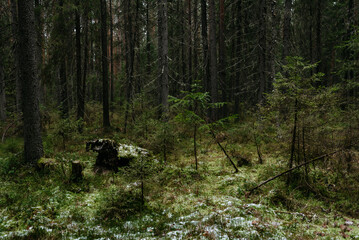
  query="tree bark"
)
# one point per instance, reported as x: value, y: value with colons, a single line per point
x: 287, y: 29
x: 30, y: 82
x: 163, y: 54
x: 319, y: 36
x: 86, y: 59
x: 195, y: 40
x: 292, y: 150
x: 262, y: 49
x: 272, y: 47
x: 111, y: 55
x: 129, y: 58
x: 2, y: 89
x: 222, y: 57
x: 15, y: 35
x: 148, y: 40
x: 190, y: 76
x: 213, y: 58
x: 39, y: 45
x: 239, y: 51
x: 204, y: 33
x: 105, y: 97
x: 79, y: 85
x: 64, y: 105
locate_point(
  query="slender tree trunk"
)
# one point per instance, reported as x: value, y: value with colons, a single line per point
x: 15, y: 35
x: 2, y: 89
x: 204, y: 33
x: 85, y: 62
x: 348, y: 53
x: 148, y: 40
x: 111, y: 55
x: 195, y: 145
x: 272, y: 47
x: 190, y: 76
x: 195, y: 40
x: 105, y: 97
x: 181, y: 8
x: 222, y: 57
x: 213, y: 58
x: 39, y: 45
x: 64, y: 105
x: 262, y: 49
x: 239, y: 51
x: 30, y: 82
x: 287, y: 29
x: 292, y: 150
x: 79, y: 85
x: 129, y: 58
x: 163, y: 54
x: 319, y: 36
x: 311, y: 33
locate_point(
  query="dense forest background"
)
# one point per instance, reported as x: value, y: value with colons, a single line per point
x: 208, y: 87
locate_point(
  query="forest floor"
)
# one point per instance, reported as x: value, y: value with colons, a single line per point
x: 180, y: 202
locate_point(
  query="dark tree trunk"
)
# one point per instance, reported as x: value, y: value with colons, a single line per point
x: 287, y: 29
x: 64, y: 105
x: 195, y: 40
x: 213, y: 58
x: 15, y: 35
x: 222, y: 57
x: 86, y: 59
x: 111, y: 54
x: 2, y: 89
x: 30, y: 82
x: 183, y: 75
x: 311, y: 32
x: 105, y: 97
x: 272, y: 47
x: 292, y: 149
x: 80, y: 96
x: 39, y: 45
x: 239, y: 50
x: 148, y: 40
x: 262, y: 49
x: 348, y: 53
x: 190, y: 77
x: 163, y: 54
x: 129, y: 58
x: 319, y: 36
x: 206, y: 74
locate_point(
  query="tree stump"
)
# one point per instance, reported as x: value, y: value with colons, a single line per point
x: 76, y: 173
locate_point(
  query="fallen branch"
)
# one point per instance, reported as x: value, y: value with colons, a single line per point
x: 291, y: 169
x: 224, y: 151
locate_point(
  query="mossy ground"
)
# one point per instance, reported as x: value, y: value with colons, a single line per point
x: 180, y: 202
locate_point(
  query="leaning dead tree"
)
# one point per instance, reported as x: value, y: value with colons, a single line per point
x: 291, y: 169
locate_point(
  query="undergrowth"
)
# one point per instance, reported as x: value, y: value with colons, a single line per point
x: 179, y: 202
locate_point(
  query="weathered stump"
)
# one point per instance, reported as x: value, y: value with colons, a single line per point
x: 111, y: 155
x: 76, y: 172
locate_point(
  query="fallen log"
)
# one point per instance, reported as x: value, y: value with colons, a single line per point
x: 291, y: 169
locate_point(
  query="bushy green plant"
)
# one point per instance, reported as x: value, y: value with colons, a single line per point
x: 63, y: 132
x: 191, y: 110
x: 300, y: 107
x: 139, y: 171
